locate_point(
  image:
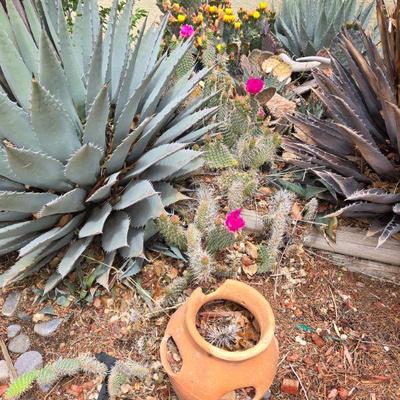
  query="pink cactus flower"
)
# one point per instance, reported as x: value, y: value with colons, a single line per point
x: 234, y: 221
x: 186, y: 31
x: 254, y: 86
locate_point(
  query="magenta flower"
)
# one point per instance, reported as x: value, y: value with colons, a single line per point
x: 234, y: 221
x: 186, y: 31
x: 254, y: 86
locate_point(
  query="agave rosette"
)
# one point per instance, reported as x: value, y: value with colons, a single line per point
x: 93, y: 135
x: 357, y: 153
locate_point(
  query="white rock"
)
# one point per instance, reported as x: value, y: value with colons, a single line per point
x: 19, y: 344
x: 11, y: 304
x: 13, y: 330
x: 4, y: 373
x: 47, y: 328
x: 28, y: 362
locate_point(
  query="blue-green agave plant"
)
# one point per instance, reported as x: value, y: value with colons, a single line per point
x: 94, y: 129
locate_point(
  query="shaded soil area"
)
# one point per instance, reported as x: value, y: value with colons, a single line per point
x: 339, y: 333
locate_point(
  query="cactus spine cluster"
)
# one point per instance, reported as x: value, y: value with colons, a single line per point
x: 172, y: 231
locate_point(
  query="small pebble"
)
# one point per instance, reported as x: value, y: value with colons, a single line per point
x: 13, y: 330
x: 4, y: 373
x: 20, y: 344
x: 28, y: 362
x: 11, y: 304
x: 48, y: 328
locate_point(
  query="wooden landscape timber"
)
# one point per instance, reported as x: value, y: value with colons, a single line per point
x: 352, y: 250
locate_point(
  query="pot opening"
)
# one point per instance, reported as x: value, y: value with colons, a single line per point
x: 174, y: 356
x: 246, y: 393
x: 228, y: 325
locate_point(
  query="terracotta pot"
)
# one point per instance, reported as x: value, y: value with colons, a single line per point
x: 208, y: 372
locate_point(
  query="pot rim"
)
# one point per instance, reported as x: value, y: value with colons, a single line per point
x: 243, y: 295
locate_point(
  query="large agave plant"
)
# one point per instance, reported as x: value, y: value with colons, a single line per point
x: 307, y: 26
x: 93, y: 131
x: 357, y: 154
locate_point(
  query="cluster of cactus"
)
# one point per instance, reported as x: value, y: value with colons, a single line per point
x: 50, y: 374
x: 223, y: 336
x: 204, y: 238
x: 277, y: 222
x: 172, y: 231
x: 101, y: 128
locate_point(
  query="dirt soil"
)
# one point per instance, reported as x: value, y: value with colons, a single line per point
x: 339, y: 333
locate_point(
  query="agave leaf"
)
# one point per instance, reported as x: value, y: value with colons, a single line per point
x: 69, y: 202
x: 128, y: 113
x: 24, y: 202
x: 96, y: 124
x: 120, y: 47
x: 177, y: 130
x: 75, y: 250
x: 152, y: 157
x: 33, y: 19
x: 116, y: 230
x: 106, y: 266
x: 340, y: 184
x: 7, y: 185
x: 11, y: 244
x: 95, y: 78
x: 162, y: 78
x: 135, y: 192
x: 13, y: 216
x: 189, y: 168
x: 43, y: 240
x: 16, y: 73
x: 96, y: 220
x: 169, y: 195
x: 5, y: 24
x: 198, y: 134
x: 370, y: 152
x: 83, y: 167
x: 27, y: 46
x: 72, y: 67
x: 126, y: 80
x: 49, y: 10
x: 362, y: 210
x: 145, y: 210
x: 43, y: 105
x: 104, y: 191
x: 390, y: 230
x: 19, y: 267
x: 167, y: 167
x: 119, y: 155
x: 374, y: 196
x: 36, y: 169
x: 23, y: 228
x: 135, y: 246
x: 15, y: 125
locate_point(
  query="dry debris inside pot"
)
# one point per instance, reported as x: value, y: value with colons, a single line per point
x: 174, y: 358
x: 228, y: 325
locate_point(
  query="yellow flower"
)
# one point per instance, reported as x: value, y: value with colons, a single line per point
x: 263, y: 5
x: 238, y: 25
x: 199, y: 41
x: 213, y: 9
x: 220, y: 47
x: 228, y: 11
x: 181, y: 18
x: 229, y: 18
x: 199, y: 18
x: 255, y: 15
x: 176, y: 7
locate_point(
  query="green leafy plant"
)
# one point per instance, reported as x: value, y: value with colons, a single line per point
x: 90, y: 145
x: 356, y: 155
x: 307, y: 26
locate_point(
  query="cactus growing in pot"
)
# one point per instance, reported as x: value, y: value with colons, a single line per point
x: 92, y: 135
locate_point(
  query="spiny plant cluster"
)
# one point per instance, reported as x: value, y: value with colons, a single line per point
x: 93, y: 135
x: 202, y: 240
x: 50, y: 374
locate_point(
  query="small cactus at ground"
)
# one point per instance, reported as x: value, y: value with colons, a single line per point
x: 311, y: 210
x: 236, y: 195
x: 224, y: 336
x: 207, y: 210
x: 122, y: 373
x: 201, y: 267
x: 266, y: 262
x: 172, y: 231
x: 282, y: 205
x: 249, y: 180
x: 219, y: 239
x: 174, y: 291
x: 59, y: 369
x: 217, y: 155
